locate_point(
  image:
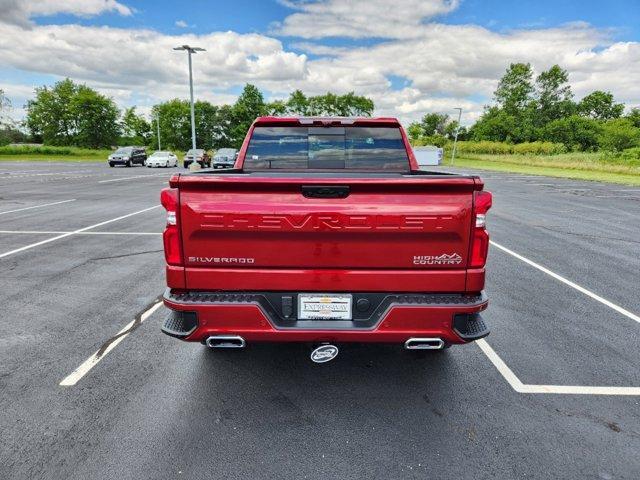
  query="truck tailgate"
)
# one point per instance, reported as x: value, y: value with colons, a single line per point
x: 252, y: 222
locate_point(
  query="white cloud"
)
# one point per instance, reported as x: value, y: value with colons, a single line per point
x: 445, y: 66
x: 130, y: 65
x: 181, y: 24
x: 21, y: 11
x: 136, y: 58
x: 370, y: 18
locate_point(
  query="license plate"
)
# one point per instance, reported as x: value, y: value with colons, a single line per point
x: 324, y: 307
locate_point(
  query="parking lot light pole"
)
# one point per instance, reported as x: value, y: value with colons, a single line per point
x: 455, y: 139
x: 158, y: 125
x: 191, y: 50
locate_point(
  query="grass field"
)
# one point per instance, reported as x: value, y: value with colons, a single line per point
x: 49, y: 154
x: 583, y: 166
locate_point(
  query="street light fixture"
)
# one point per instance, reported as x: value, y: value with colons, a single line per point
x: 191, y: 50
x: 455, y: 140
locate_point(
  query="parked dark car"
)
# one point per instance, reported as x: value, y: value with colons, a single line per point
x: 225, y: 158
x: 128, y: 156
x: 198, y: 155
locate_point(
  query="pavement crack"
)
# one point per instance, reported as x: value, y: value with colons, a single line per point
x: 126, y: 255
x: 137, y: 321
x: 584, y: 235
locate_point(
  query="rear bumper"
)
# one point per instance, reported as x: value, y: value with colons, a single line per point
x: 259, y: 317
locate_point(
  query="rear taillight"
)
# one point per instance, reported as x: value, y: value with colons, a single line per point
x: 171, y: 235
x: 480, y: 238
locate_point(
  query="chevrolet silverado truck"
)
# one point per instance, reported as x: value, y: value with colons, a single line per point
x: 326, y: 231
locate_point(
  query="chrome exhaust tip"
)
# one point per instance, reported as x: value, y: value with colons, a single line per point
x: 424, y: 344
x: 225, y: 341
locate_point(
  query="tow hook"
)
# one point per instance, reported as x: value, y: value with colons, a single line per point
x: 324, y: 353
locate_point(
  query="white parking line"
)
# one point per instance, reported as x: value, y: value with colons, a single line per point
x: 560, y: 278
x: 41, y: 232
x: 511, y: 377
x: 38, y: 206
x: 75, y: 232
x: 520, y: 387
x: 131, y: 178
x: 75, y: 376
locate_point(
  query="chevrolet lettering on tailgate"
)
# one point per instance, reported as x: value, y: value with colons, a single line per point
x: 325, y: 231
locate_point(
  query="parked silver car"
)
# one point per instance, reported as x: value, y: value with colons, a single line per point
x: 225, y: 158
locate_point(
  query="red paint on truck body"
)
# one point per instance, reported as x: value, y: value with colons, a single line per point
x: 253, y: 232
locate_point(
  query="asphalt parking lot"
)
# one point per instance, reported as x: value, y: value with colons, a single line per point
x: 554, y: 392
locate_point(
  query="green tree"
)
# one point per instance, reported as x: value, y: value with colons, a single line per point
x: 434, y: 124
x: 96, y: 119
x: 619, y: 134
x: 298, y: 104
x: 175, y: 124
x: 248, y: 107
x: 515, y: 89
x: 276, y: 108
x: 575, y: 132
x: 553, y: 96
x: 495, y: 125
x: 348, y: 105
x: 135, y: 128
x: 600, y: 105
x: 50, y: 116
x: 414, y: 131
x: 207, y: 120
x: 72, y: 114
x: 352, y: 105
x: 634, y: 117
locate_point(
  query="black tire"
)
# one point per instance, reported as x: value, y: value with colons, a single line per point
x: 111, y: 164
x: 128, y: 164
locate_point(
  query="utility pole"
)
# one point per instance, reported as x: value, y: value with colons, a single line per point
x: 191, y: 50
x: 455, y: 140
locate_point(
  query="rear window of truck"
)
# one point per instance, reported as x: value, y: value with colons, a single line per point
x: 299, y: 148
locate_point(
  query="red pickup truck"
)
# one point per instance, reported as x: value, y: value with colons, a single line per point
x: 326, y: 231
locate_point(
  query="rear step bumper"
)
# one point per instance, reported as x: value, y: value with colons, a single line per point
x: 271, y: 317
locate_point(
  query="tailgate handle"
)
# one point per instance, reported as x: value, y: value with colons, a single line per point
x: 325, y: 191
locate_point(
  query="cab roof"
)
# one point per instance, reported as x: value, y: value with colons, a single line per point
x: 326, y: 121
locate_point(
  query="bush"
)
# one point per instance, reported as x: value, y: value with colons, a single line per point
x: 618, y: 135
x: 631, y: 154
x: 436, y: 140
x: 574, y: 132
x: 501, y: 148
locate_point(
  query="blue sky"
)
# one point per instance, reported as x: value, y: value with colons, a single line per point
x: 415, y: 57
x: 247, y: 16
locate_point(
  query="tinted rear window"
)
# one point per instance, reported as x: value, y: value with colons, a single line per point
x: 355, y: 148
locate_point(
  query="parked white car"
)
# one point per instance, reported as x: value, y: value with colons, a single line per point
x: 162, y: 159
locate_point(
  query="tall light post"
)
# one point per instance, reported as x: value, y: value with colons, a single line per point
x: 158, y: 125
x: 455, y: 139
x: 191, y: 50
